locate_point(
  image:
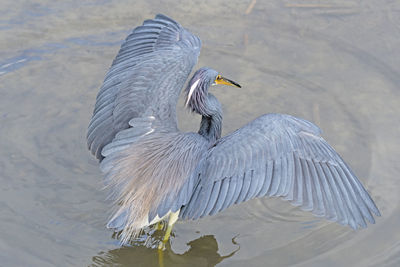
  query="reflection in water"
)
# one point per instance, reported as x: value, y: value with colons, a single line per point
x: 202, y: 251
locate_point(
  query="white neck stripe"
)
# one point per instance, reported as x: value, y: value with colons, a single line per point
x: 194, y: 85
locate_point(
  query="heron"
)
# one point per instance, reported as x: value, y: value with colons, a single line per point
x: 156, y: 173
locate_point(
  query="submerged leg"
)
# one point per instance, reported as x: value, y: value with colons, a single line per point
x: 173, y: 217
x: 160, y: 225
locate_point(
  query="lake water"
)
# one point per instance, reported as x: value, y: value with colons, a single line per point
x: 336, y: 63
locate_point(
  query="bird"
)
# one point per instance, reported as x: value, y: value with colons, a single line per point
x: 156, y: 173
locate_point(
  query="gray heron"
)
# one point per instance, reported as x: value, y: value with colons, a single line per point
x: 155, y: 172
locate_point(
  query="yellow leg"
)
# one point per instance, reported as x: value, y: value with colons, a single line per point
x: 173, y: 217
x: 160, y: 225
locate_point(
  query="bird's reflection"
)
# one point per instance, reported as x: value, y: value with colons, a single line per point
x: 203, y: 251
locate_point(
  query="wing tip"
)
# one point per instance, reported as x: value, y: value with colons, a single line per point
x: 166, y: 18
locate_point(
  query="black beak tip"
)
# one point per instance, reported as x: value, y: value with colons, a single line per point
x: 234, y: 83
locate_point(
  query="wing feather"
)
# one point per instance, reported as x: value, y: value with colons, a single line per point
x: 145, y: 79
x: 281, y: 156
x: 221, y: 197
x: 318, y: 201
x: 339, y: 205
x: 307, y: 193
x: 238, y: 189
x: 298, y: 193
x: 284, y: 179
x: 230, y: 194
x: 330, y: 208
x: 216, y: 191
x: 269, y: 166
x: 290, y: 178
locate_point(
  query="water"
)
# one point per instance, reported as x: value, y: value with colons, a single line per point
x: 335, y: 63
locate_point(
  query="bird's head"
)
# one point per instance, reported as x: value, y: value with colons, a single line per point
x: 197, y: 89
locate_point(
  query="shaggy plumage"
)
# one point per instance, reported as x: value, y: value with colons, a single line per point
x: 147, y: 177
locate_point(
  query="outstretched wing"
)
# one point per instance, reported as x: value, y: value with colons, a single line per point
x: 283, y: 156
x: 145, y: 80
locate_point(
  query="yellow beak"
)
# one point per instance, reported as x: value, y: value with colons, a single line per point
x: 222, y: 80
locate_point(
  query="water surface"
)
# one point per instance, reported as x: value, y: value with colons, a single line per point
x: 336, y: 63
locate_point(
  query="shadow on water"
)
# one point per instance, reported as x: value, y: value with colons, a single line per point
x: 202, y: 251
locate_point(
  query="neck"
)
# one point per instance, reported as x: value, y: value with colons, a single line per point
x: 210, y: 109
x: 210, y: 127
x: 211, y: 120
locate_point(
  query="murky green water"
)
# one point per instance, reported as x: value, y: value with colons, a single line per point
x: 336, y: 63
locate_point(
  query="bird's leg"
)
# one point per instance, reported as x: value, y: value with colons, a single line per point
x: 173, y: 217
x: 160, y: 225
